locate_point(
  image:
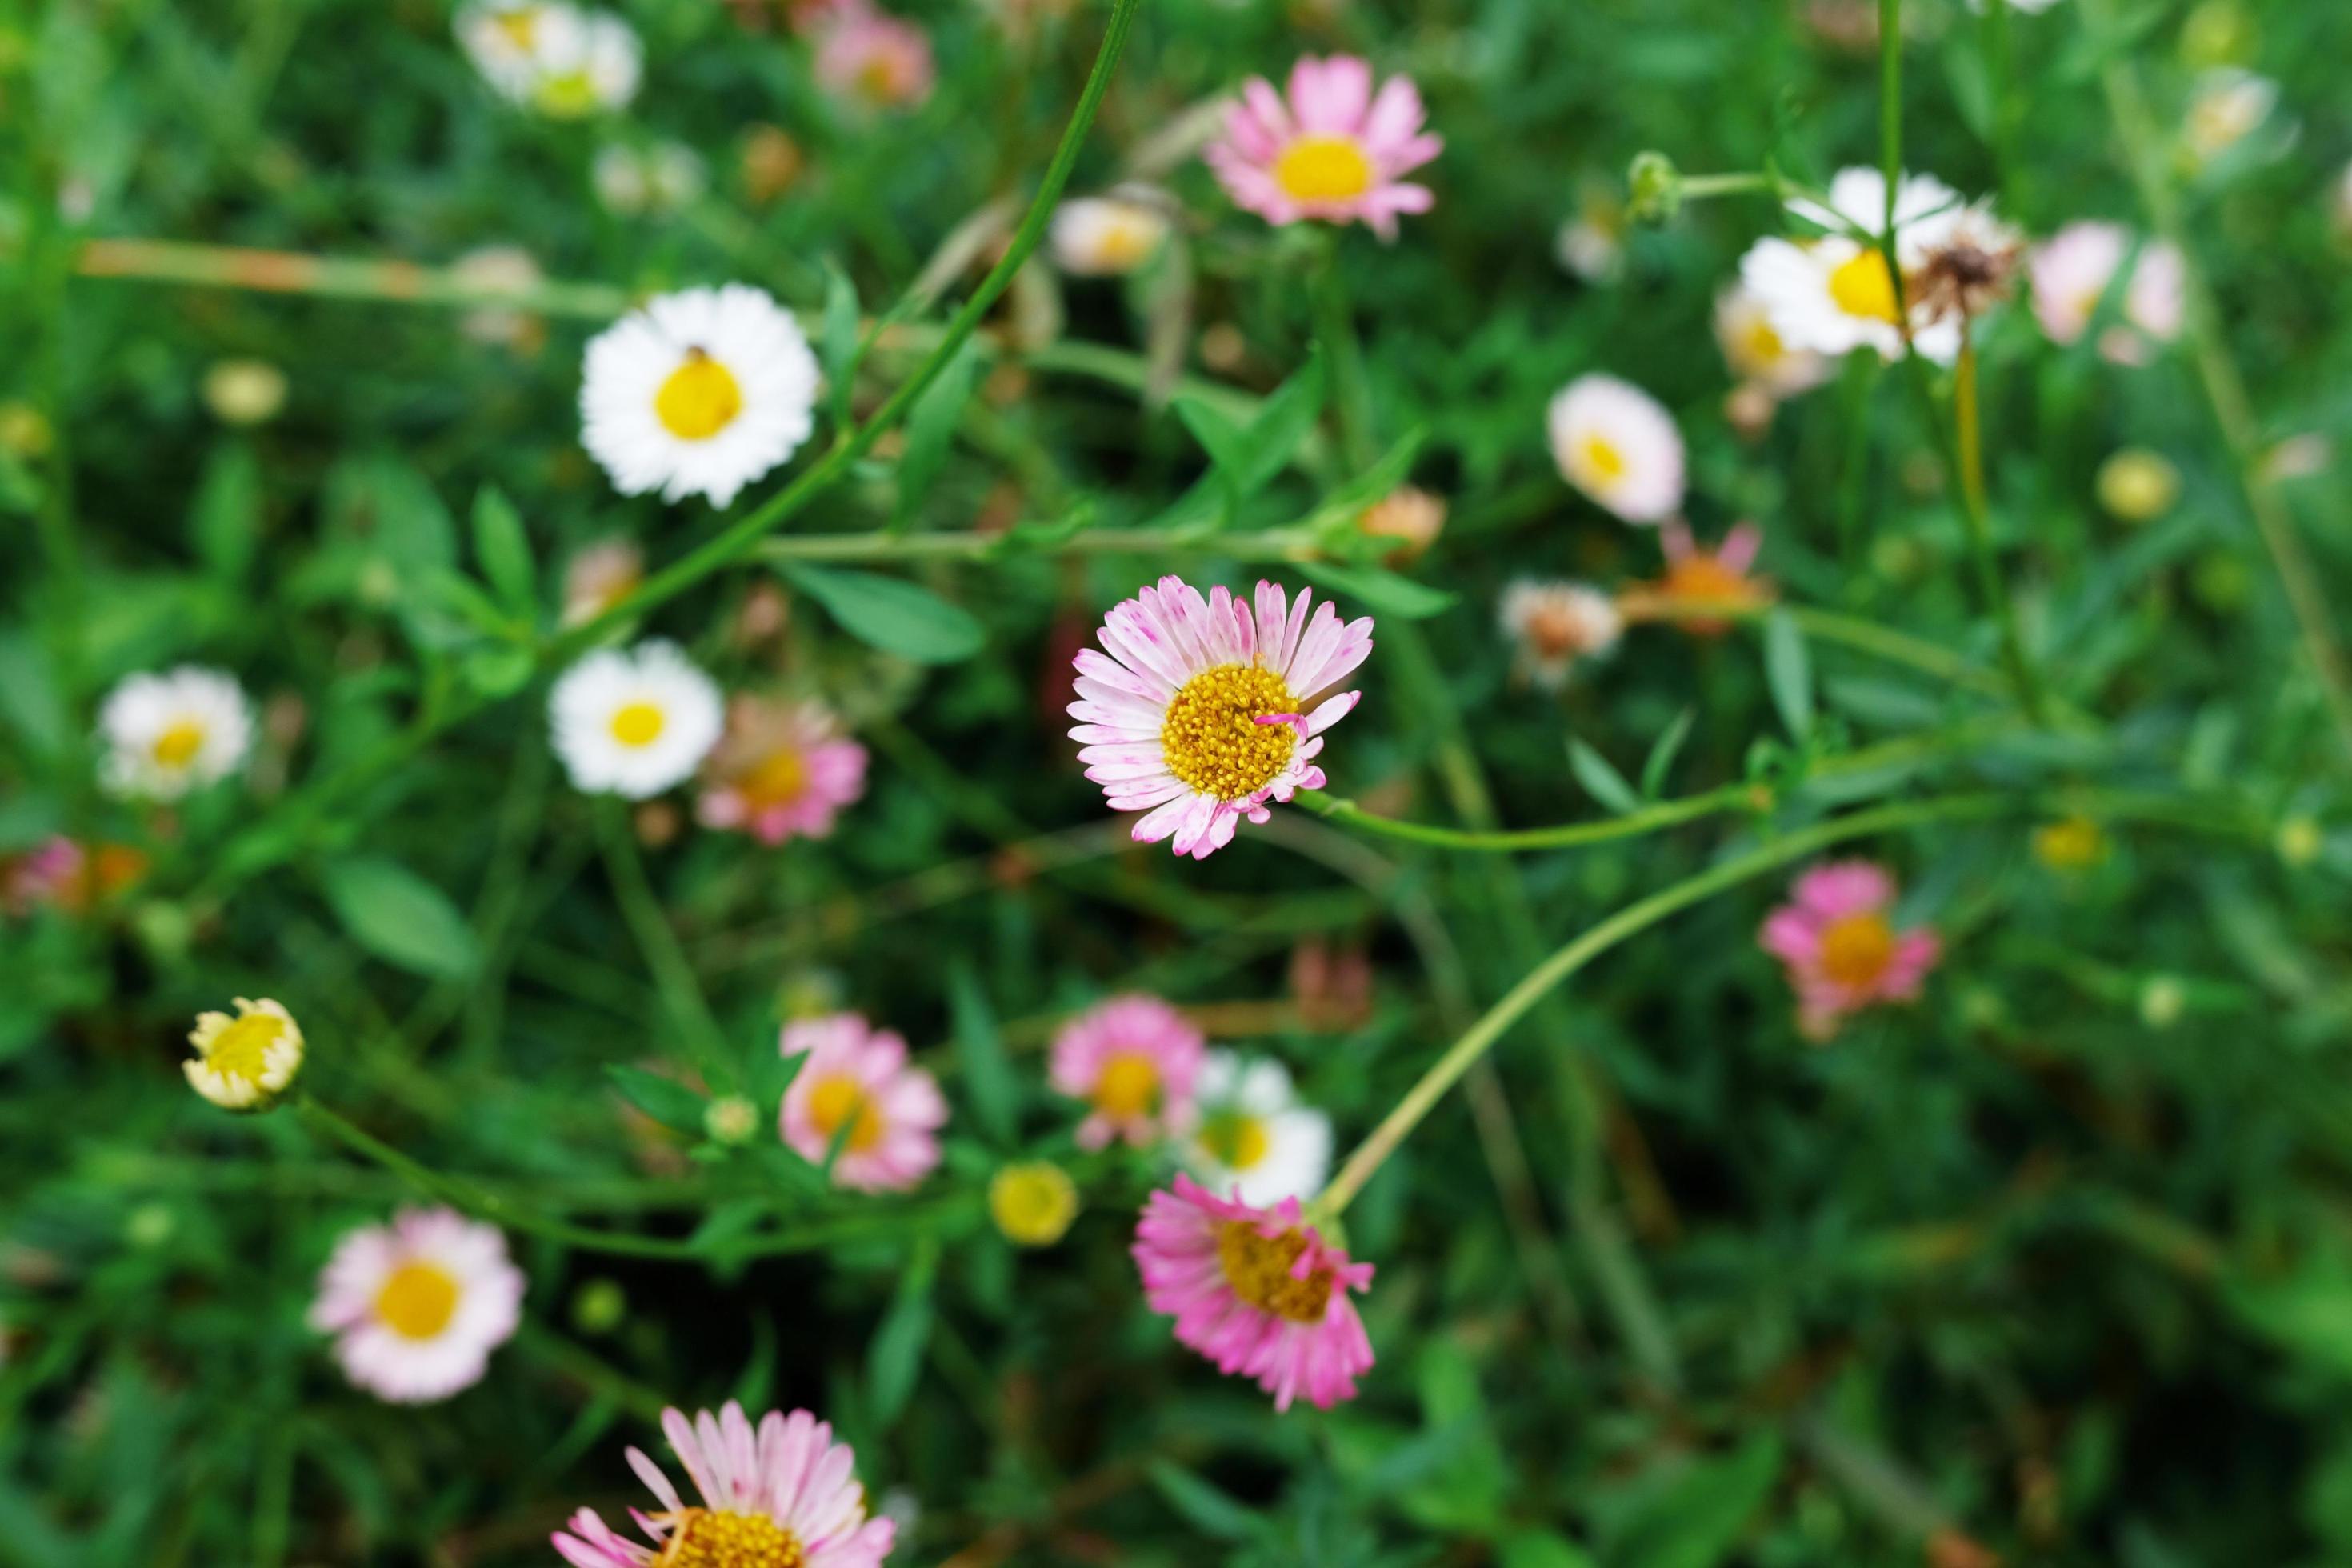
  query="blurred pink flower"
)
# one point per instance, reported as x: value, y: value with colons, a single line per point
x: 1842, y: 953
x: 873, y: 59
x: 858, y: 1077
x: 1257, y: 1290
x: 2072, y: 275
x: 1133, y: 1059
x: 781, y: 771
x: 64, y: 876
x: 1334, y: 151
x: 1699, y: 576
x: 784, y: 1494
x: 416, y: 1306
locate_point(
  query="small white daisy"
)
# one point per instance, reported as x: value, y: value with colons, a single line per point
x: 1592, y: 244
x: 634, y: 722
x: 245, y: 1062
x: 508, y: 40
x: 2228, y: 106
x: 1753, y: 350
x: 589, y: 68
x: 1252, y: 1133
x: 1835, y: 294
x: 170, y: 734
x: 1104, y: 236
x: 1554, y: 624
x: 1617, y: 443
x: 418, y: 1305
x: 2073, y: 273
x: 699, y: 393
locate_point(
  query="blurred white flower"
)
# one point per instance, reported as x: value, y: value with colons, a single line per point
x: 2227, y: 106
x: 2073, y: 273
x: 1754, y: 350
x: 1251, y: 1133
x: 1618, y: 446
x: 1835, y: 294
x: 634, y: 722
x: 1555, y: 623
x: 1100, y: 237
x: 167, y: 735
x: 648, y: 182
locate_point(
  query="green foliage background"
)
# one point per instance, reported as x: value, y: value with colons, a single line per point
x: 2013, y: 1267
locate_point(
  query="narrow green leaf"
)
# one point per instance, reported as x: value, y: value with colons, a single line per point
x: 1601, y: 781
x: 1542, y: 1549
x: 1789, y: 671
x: 1663, y: 753
x: 1206, y: 1508
x: 227, y: 518
x: 399, y: 916
x: 990, y: 1087
x: 502, y: 548
x: 1381, y: 591
x: 838, y: 342
x: 1700, y: 1520
x: 932, y: 425
x: 895, y: 1357
x: 891, y: 614
x: 665, y: 1099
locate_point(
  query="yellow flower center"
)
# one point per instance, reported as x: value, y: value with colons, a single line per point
x: 520, y: 27
x: 242, y: 1050
x: 178, y: 746
x: 1126, y: 241
x: 707, y: 1538
x: 2070, y: 846
x: 418, y: 1300
x: 1033, y: 1205
x: 1323, y: 169
x: 833, y: 1101
x: 1236, y: 1140
x: 1856, y: 950
x: 1212, y: 738
x: 1601, y: 462
x: 777, y: 780
x: 1763, y: 346
x: 1127, y: 1087
x: 1702, y: 578
x: 567, y: 95
x: 699, y: 399
x: 1258, y: 1268
x: 639, y: 724
x: 1864, y: 286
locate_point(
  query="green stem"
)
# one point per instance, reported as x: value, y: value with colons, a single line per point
x: 2006, y: 107
x: 1969, y: 448
x: 674, y: 976
x: 1335, y: 328
x: 1289, y: 544
x: 1890, y: 140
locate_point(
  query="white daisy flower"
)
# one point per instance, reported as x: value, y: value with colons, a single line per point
x: 634, y: 722
x: 509, y: 40
x: 1743, y: 327
x: 2073, y: 273
x: 1103, y: 236
x: 167, y: 735
x: 2228, y: 106
x: 1554, y: 624
x: 418, y: 1305
x: 245, y: 1062
x: 1200, y: 712
x: 1835, y: 294
x: 1252, y: 1134
x: 589, y: 68
x: 1617, y: 443
x: 699, y: 393
x: 639, y: 181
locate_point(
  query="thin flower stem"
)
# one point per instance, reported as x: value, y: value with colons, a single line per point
x: 1890, y: 140
x: 879, y: 544
x: 1335, y: 327
x: 1969, y: 449
x: 673, y: 973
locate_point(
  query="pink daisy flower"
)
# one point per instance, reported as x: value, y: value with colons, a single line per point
x: 1334, y: 151
x: 418, y: 1305
x: 1133, y: 1058
x: 1199, y: 710
x: 858, y: 1077
x: 873, y: 59
x: 1257, y: 1290
x: 1842, y: 953
x: 785, y: 1495
x: 781, y: 771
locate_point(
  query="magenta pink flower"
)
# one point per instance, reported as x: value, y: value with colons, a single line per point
x: 1842, y: 954
x: 781, y: 771
x: 1201, y: 710
x: 874, y: 60
x: 786, y: 1494
x: 1258, y: 1291
x: 858, y: 1077
x: 1333, y: 151
x: 1133, y: 1058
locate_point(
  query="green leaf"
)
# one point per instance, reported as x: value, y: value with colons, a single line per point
x: 30, y: 703
x: 896, y: 1355
x: 1208, y: 1508
x: 1789, y: 671
x: 665, y: 1099
x: 990, y: 1087
x: 838, y: 342
x: 932, y: 425
x: 891, y: 614
x: 503, y: 548
x: 498, y: 671
x: 227, y: 518
x: 399, y: 917
x: 1384, y: 592
x: 1246, y: 457
x: 1663, y: 752
x: 1601, y: 781
x: 1542, y: 1549
x: 1698, y: 1519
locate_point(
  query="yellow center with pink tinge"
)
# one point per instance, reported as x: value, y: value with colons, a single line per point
x: 417, y: 1300
x: 1212, y: 738
x: 1323, y: 169
x: 1856, y: 950
x: 1127, y: 1087
x: 722, y: 1538
x: 833, y: 1101
x: 1259, y: 1267
x: 776, y: 781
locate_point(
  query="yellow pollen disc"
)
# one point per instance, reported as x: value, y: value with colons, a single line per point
x: 777, y: 780
x: 1763, y: 345
x: 1212, y: 739
x: 567, y: 95
x: 2071, y: 844
x: 835, y: 1100
x: 1603, y: 463
x: 639, y: 724
x: 240, y: 1051
x: 1856, y: 950
x: 1863, y: 287
x: 1125, y: 242
x: 178, y: 746
x: 877, y: 79
x: 723, y: 1539
x: 519, y: 27
x: 1258, y: 1268
x: 1127, y: 1087
x: 1323, y: 169
x: 1033, y: 1205
x: 1237, y: 1140
x: 417, y: 1301
x: 1703, y: 578
x: 699, y: 399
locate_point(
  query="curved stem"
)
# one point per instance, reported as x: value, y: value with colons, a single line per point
x: 1568, y: 835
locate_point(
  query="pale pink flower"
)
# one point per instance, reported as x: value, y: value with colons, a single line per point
x: 858, y: 1077
x: 1841, y: 952
x: 2073, y: 273
x: 1335, y: 150
x: 418, y: 1305
x: 874, y: 60
x: 1554, y: 624
x: 1257, y: 1290
x: 1133, y: 1059
x: 785, y: 1494
x: 782, y: 770
x: 1201, y: 710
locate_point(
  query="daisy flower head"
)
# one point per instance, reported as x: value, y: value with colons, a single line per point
x: 166, y: 736
x: 1105, y: 236
x: 782, y: 770
x: 1841, y: 948
x: 246, y: 1062
x: 1198, y: 711
x: 590, y: 66
x: 418, y: 1305
x: 785, y: 1495
x: 1333, y: 150
x: 1698, y: 576
x: 1033, y: 1202
x: 2073, y: 273
x: 634, y: 722
x: 872, y: 61
x: 857, y: 1077
x: 1251, y: 1137
x: 1132, y: 1059
x: 1256, y: 1289
x: 1618, y: 446
x: 1834, y: 294
x: 510, y: 41
x: 1555, y: 623
x: 698, y: 393
x: 1753, y: 348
